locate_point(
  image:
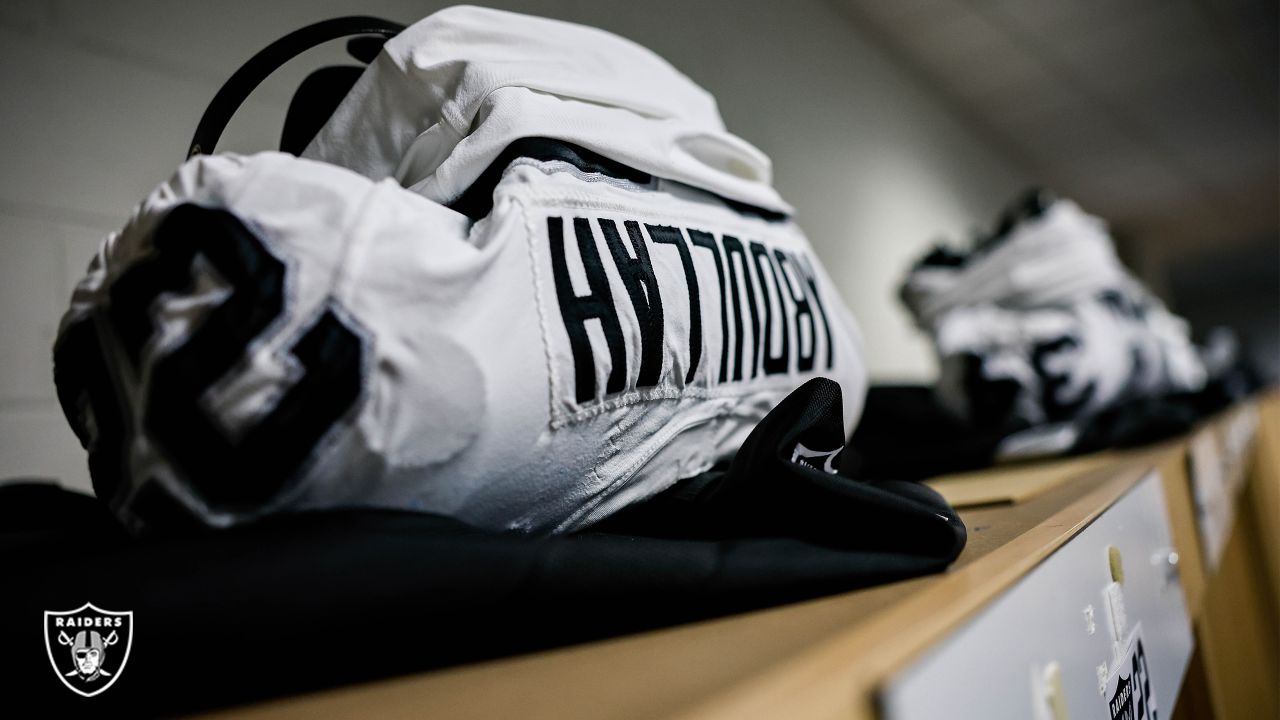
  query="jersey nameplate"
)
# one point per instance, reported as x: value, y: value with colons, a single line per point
x: 637, y: 310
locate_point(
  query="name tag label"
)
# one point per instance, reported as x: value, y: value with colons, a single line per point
x: 636, y: 310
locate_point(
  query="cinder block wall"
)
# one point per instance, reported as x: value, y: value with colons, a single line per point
x: 100, y: 99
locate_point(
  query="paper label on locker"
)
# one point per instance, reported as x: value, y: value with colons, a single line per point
x: 1129, y: 694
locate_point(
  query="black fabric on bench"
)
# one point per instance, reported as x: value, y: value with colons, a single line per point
x: 314, y: 600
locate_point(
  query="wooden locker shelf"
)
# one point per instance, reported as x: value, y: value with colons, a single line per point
x: 826, y: 658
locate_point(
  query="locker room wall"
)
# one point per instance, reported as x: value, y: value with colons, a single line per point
x: 100, y: 99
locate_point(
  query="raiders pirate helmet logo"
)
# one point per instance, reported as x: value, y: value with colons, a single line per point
x: 88, y: 646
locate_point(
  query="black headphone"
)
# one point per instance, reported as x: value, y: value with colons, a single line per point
x: 318, y: 95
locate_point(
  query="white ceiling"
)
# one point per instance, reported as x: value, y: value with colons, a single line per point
x: 1160, y: 115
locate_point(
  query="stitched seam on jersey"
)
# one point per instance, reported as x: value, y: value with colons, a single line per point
x: 553, y: 378
x: 659, y: 441
x: 636, y: 397
x: 658, y: 185
x: 577, y: 201
x: 550, y: 167
x: 648, y: 200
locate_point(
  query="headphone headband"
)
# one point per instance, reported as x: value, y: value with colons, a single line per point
x: 259, y: 67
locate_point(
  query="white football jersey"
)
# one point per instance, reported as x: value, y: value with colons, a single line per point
x: 523, y: 277
x: 1044, y: 325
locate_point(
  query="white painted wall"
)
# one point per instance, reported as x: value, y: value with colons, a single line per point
x: 100, y: 99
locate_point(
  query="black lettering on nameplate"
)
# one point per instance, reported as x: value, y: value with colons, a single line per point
x: 667, y: 235
x: 739, y: 272
x: 596, y: 305
x: 811, y: 284
x: 225, y: 466
x: 799, y: 301
x: 650, y: 306
x: 642, y: 288
x: 707, y: 241
x: 773, y: 364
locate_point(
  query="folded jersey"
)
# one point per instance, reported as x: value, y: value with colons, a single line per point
x: 275, y: 333
x: 1041, y: 325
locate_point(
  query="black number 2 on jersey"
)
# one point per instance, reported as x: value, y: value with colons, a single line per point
x: 225, y: 468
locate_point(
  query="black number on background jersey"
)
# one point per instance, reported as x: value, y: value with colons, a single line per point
x: 247, y: 464
x: 1051, y: 384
